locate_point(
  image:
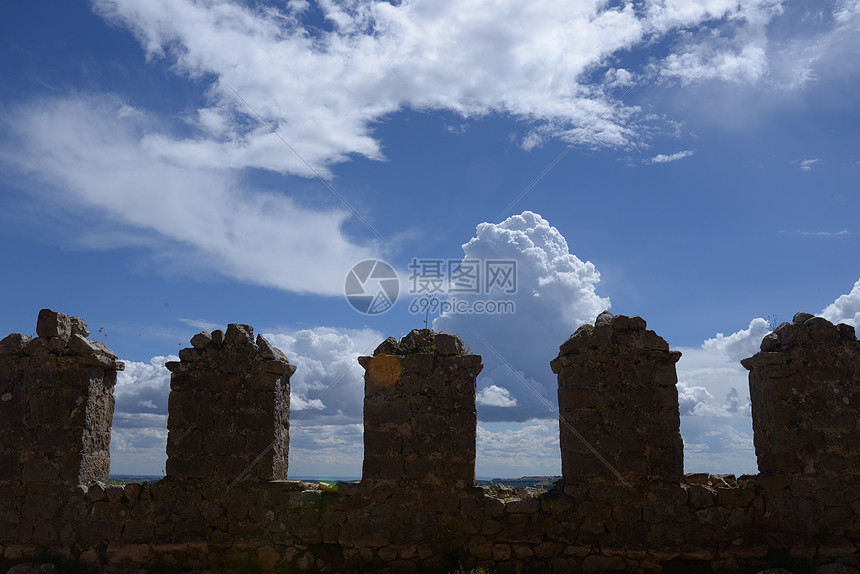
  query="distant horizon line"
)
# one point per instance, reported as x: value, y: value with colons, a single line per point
x: 327, y: 477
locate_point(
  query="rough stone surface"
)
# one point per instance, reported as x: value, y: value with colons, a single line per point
x: 201, y: 340
x: 79, y: 327
x: 53, y: 324
x: 805, y: 391
x: 419, y: 411
x: 267, y: 351
x: 420, y: 518
x: 56, y: 406
x: 616, y: 392
x: 78, y: 344
x: 14, y: 343
x: 449, y: 344
x: 229, y: 403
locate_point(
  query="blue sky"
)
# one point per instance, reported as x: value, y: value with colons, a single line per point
x: 707, y: 179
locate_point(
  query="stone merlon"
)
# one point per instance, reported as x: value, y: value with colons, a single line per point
x: 609, y: 335
x: 232, y: 352
x: 61, y: 335
x: 623, y: 504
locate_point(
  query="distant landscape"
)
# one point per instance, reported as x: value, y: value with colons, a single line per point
x: 544, y: 482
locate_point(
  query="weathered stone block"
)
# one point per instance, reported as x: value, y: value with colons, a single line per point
x: 805, y: 391
x: 53, y: 324
x: 408, y: 434
x: 617, y: 395
x: 14, y: 343
x: 82, y: 346
x: 229, y: 403
x: 57, y: 426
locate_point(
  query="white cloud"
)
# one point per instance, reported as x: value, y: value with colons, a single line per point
x: 718, y: 444
x: 138, y: 451
x: 139, y: 432
x: 323, y: 88
x: 142, y: 388
x: 510, y: 451
x: 717, y: 40
x: 737, y: 42
x: 200, y: 324
x: 495, y: 396
x: 711, y: 380
x: 698, y: 401
x: 618, y: 78
x: 661, y: 158
x: 713, y: 393
x: 665, y: 15
x: 555, y: 294
x: 326, y: 362
x: 713, y: 397
x: 712, y: 60
x: 92, y: 152
x: 325, y: 435
x: 824, y: 46
x: 326, y: 88
x: 806, y: 164
x: 741, y: 344
x: 846, y: 308
x: 325, y: 450
x: 839, y: 233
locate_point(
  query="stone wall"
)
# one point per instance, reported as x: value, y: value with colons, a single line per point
x: 419, y: 411
x: 229, y: 407
x: 805, y: 391
x: 618, y: 404
x: 56, y: 404
x: 416, y: 514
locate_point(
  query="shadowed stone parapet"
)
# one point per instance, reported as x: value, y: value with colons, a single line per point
x: 229, y: 403
x: 420, y: 420
x: 805, y: 392
x: 56, y: 403
x: 616, y: 388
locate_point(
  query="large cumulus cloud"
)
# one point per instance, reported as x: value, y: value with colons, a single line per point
x: 556, y: 292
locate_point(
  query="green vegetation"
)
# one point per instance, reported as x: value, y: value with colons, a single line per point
x: 479, y: 570
x: 328, y: 486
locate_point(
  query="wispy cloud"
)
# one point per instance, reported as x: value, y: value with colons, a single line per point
x: 661, y: 158
x: 325, y: 89
x: 824, y: 233
x: 200, y: 324
x: 93, y: 153
x: 806, y: 164
x: 804, y: 233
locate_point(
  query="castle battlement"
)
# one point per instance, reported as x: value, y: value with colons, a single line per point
x: 623, y: 504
